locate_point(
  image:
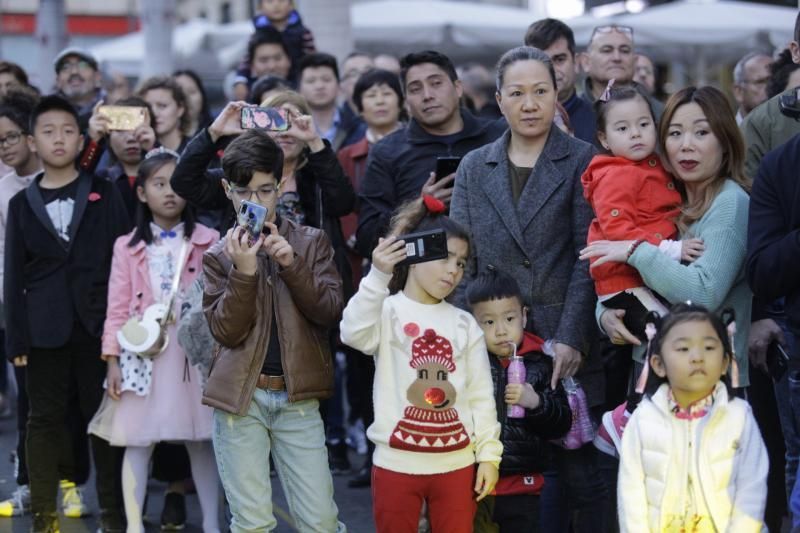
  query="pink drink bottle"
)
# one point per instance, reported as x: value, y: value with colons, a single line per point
x: 516, y: 375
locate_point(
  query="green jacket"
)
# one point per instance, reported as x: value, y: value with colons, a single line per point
x: 764, y: 129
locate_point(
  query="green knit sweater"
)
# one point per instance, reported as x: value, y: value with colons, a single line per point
x: 717, y: 279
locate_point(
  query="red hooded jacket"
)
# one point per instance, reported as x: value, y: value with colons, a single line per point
x: 631, y: 200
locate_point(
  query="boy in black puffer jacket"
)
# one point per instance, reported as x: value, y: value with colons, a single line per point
x: 496, y: 303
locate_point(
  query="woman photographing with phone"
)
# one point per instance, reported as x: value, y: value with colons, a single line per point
x: 314, y: 189
x: 126, y: 148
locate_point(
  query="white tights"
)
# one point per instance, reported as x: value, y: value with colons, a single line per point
x: 135, y: 469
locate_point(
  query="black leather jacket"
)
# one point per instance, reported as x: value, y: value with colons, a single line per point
x: 526, y: 446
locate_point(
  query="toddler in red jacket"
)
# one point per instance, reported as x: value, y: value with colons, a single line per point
x: 634, y: 199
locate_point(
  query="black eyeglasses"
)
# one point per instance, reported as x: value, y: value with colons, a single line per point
x: 11, y: 139
x: 608, y: 28
x: 262, y: 193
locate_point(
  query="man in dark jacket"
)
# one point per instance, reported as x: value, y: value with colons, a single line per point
x: 773, y: 256
x: 556, y: 40
x: 402, y: 164
x: 765, y: 127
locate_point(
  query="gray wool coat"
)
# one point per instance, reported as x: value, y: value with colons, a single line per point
x: 537, y: 241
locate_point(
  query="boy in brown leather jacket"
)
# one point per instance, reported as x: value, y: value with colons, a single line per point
x: 270, y: 306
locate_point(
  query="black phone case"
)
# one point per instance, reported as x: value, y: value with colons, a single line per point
x: 424, y: 246
x: 446, y: 166
x: 777, y: 361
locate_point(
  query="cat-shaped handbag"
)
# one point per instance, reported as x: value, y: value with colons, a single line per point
x: 147, y: 336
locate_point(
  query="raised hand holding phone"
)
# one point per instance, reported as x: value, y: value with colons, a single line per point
x: 277, y: 247
x: 145, y: 135
x: 228, y: 122
x: 303, y: 129
x: 98, y: 123
x: 439, y: 188
x: 239, y: 250
x: 388, y: 253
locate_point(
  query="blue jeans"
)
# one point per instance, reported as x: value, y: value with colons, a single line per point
x: 576, y: 495
x: 787, y: 394
x: 293, y: 433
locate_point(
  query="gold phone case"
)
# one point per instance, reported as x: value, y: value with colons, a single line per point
x: 123, y: 117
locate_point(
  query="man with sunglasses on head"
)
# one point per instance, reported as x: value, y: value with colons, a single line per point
x: 79, y: 82
x: 611, y: 55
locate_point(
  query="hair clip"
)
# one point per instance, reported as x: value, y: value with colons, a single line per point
x: 650, y: 331
x: 728, y: 317
x: 433, y: 204
x: 606, y: 96
x: 161, y: 150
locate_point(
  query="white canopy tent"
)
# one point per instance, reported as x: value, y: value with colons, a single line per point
x: 125, y: 54
x: 456, y: 28
x: 699, y: 36
x: 713, y: 23
x: 684, y: 32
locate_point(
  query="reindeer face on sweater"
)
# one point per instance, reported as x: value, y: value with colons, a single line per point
x: 431, y: 390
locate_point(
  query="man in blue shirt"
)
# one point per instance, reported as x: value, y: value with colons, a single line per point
x: 318, y: 82
x: 557, y: 40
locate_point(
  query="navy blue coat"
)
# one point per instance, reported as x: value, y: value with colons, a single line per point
x: 773, y: 233
x: 400, y: 164
x: 51, y: 284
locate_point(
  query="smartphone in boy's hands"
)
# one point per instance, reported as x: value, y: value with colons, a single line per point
x: 252, y: 217
x: 424, y: 246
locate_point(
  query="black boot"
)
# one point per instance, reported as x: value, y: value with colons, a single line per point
x: 337, y: 458
x: 363, y: 477
x: 173, y: 516
x: 45, y: 523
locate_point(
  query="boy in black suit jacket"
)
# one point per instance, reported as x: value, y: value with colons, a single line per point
x: 59, y: 239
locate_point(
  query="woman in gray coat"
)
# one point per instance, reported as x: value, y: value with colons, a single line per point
x: 521, y: 197
x: 522, y: 200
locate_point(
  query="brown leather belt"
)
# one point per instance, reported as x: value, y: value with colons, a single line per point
x: 273, y: 383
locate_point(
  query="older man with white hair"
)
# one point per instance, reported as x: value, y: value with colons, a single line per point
x: 750, y: 77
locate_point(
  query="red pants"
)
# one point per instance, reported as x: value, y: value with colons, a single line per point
x: 397, y: 500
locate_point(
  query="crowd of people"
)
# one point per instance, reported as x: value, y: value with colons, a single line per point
x: 548, y: 298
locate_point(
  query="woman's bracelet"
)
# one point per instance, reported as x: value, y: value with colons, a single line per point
x: 632, y: 248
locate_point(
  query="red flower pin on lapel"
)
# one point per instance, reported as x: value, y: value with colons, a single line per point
x: 93, y: 196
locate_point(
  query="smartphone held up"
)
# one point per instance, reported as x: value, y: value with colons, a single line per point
x: 424, y: 246
x: 252, y: 217
x: 123, y: 118
x: 265, y: 118
x: 446, y: 165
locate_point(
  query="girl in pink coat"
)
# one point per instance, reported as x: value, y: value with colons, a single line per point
x: 156, y: 399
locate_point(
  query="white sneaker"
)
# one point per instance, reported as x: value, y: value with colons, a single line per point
x: 357, y: 437
x: 18, y: 504
x: 72, y: 500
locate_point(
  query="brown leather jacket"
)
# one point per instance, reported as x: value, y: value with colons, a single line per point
x: 307, y: 298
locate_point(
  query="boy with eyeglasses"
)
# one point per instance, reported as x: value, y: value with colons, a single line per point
x: 270, y: 306
x: 15, y: 110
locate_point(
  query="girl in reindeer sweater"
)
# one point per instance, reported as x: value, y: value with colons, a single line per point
x: 435, y: 411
